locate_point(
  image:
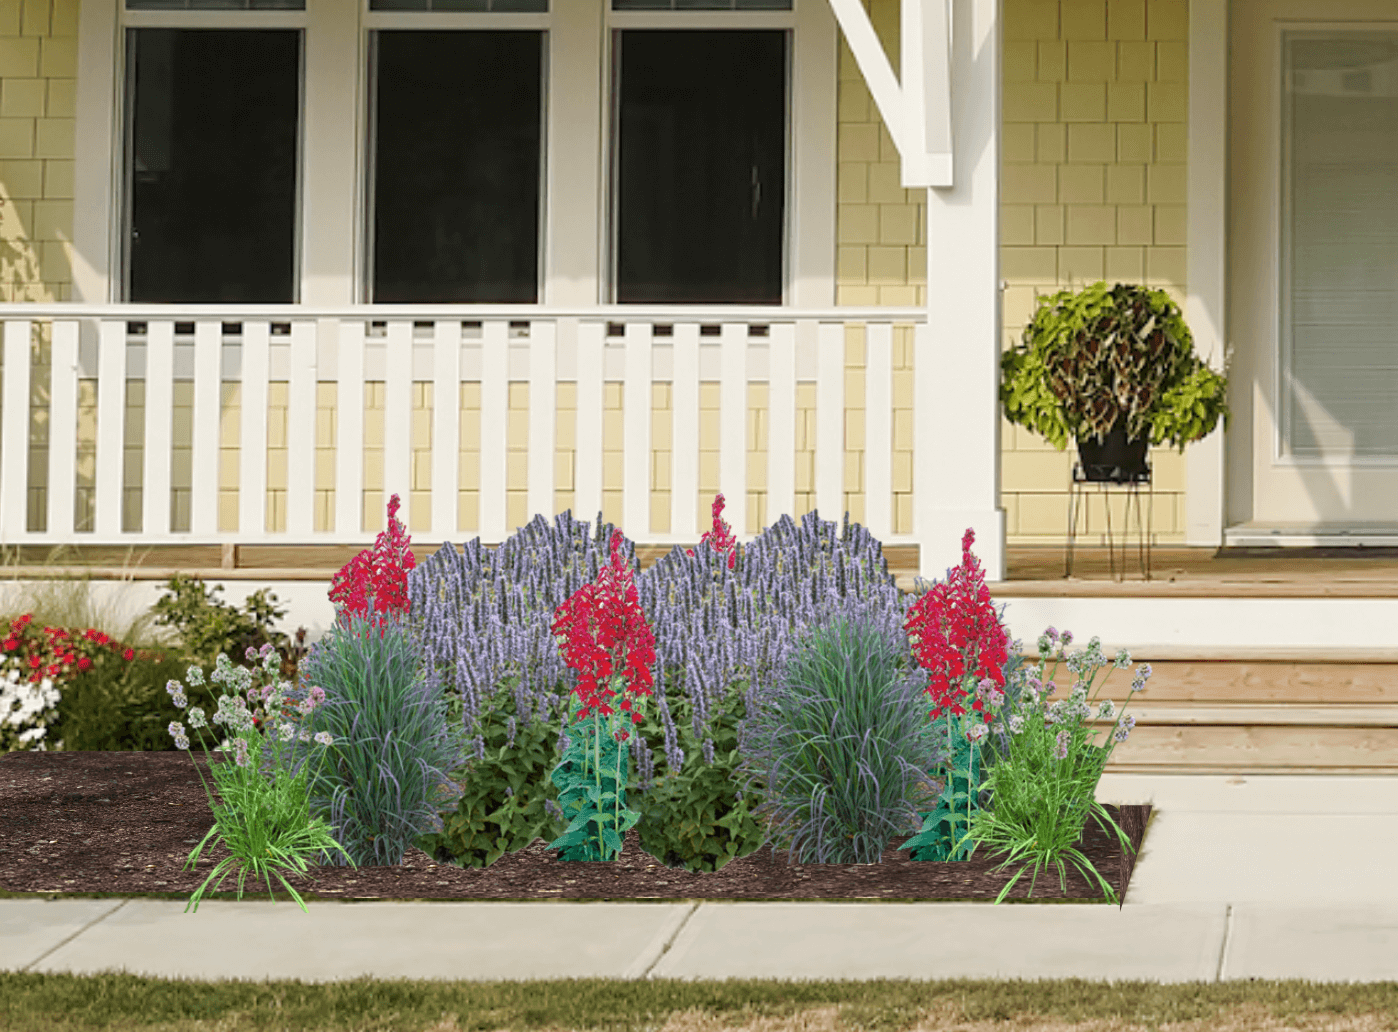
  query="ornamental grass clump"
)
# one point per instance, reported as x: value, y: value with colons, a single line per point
x: 394, y: 753
x: 1046, y: 788
x: 844, y: 745
x: 396, y: 750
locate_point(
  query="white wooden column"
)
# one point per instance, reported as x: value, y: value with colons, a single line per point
x: 956, y: 416
x: 1206, y: 274
x: 14, y: 449
x: 575, y: 48
x: 331, y: 121
x: 95, y: 148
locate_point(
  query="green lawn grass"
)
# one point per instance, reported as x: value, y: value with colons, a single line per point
x: 60, y: 1002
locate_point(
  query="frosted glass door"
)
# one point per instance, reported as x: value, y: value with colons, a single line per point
x: 1339, y: 296
x: 1313, y: 264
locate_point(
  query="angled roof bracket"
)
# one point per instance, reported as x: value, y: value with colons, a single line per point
x: 917, y: 112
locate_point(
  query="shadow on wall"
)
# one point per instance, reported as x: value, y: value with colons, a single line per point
x: 21, y: 276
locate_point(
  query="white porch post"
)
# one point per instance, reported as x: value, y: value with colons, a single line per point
x: 1206, y: 275
x: 956, y: 419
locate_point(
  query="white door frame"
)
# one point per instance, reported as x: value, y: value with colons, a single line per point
x: 1269, y: 487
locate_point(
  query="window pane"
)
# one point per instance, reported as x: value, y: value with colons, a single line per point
x: 213, y: 159
x: 215, y: 5
x: 456, y: 167
x: 701, y: 174
x: 499, y: 6
x: 701, y: 5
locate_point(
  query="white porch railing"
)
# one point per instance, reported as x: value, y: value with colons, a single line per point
x: 446, y: 346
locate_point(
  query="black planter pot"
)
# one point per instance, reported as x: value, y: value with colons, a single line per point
x: 1114, y: 460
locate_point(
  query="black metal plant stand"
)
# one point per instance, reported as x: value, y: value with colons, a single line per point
x: 1076, y: 496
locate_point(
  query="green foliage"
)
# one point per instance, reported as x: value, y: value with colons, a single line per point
x: 116, y: 705
x: 1092, y: 356
x: 591, y: 779
x: 946, y: 830
x: 208, y: 626
x: 506, y: 796
x: 699, y: 818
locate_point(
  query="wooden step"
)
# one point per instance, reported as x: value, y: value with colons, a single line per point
x: 1251, y: 716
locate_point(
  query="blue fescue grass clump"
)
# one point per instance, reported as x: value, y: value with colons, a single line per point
x: 386, y: 779
x: 842, y: 740
x: 484, y: 620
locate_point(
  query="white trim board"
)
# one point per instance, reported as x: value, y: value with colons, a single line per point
x: 1298, y: 630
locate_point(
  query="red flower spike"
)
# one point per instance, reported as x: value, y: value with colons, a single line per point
x: 375, y: 581
x: 719, y: 538
x: 601, y: 622
x: 958, y: 632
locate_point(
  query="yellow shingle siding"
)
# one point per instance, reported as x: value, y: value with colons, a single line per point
x: 38, y: 86
x: 880, y: 227
x: 1093, y: 185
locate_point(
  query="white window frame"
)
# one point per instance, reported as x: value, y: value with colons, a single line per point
x: 575, y: 248
x: 436, y: 21
x: 294, y: 20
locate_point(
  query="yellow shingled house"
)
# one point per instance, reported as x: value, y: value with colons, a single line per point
x: 269, y: 262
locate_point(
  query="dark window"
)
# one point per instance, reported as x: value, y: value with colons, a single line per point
x: 212, y: 165
x: 215, y: 5
x: 700, y: 166
x: 456, y: 167
x: 499, y: 6
x: 701, y: 5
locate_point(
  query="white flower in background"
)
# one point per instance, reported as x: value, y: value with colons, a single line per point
x: 25, y: 707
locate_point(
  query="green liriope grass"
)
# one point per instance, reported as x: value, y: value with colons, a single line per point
x: 69, y: 1003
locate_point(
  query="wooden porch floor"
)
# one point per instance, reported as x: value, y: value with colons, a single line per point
x: 1031, y: 570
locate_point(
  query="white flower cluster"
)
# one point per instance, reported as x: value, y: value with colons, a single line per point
x: 26, y: 706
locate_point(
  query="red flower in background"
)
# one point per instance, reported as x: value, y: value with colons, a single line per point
x: 376, y: 580
x: 720, y: 539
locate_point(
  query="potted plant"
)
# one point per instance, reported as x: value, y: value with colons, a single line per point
x: 1114, y: 368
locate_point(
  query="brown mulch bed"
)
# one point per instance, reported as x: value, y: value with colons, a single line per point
x: 124, y: 824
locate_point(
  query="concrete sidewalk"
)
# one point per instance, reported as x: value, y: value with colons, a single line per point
x: 1263, y: 876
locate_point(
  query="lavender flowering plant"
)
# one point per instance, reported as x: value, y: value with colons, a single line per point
x: 263, y: 820
x: 1046, y: 787
x: 720, y: 629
